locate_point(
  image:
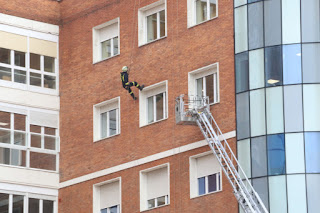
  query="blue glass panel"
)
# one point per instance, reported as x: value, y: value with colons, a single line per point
x: 103, y: 210
x: 202, y: 185
x: 292, y: 64
x: 251, y: 1
x: 276, y: 154
x: 273, y: 66
x: 242, y: 72
x: 114, y: 209
x: 312, y: 149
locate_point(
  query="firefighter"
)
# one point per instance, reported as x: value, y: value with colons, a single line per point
x: 126, y: 84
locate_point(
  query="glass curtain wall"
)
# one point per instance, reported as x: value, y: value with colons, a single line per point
x: 277, y: 69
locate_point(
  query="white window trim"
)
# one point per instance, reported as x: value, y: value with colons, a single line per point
x: 200, y: 73
x: 155, y: 107
x: 143, y: 199
x: 143, y: 117
x: 192, y: 22
x: 193, y: 181
x: 97, y: 118
x: 143, y: 12
x: 96, y: 43
x: 96, y: 194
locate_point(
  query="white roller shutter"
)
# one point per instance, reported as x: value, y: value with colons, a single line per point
x: 44, y: 119
x: 109, y: 32
x: 157, y: 183
x: 109, y: 195
x: 207, y: 165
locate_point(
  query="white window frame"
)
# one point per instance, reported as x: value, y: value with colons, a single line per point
x: 207, y: 183
x: 156, y: 202
x: 143, y: 13
x: 155, y: 107
x: 194, y: 186
x: 106, y: 106
x: 143, y: 187
x: 192, y: 14
x: 96, y: 41
x: 96, y: 194
x: 212, y: 69
x: 152, y: 90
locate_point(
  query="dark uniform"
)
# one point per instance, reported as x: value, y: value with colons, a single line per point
x: 126, y: 84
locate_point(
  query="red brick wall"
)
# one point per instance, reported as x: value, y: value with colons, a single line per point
x: 40, y: 10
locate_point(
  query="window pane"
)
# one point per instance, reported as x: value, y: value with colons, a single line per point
x: 201, y: 11
x: 150, y: 109
x: 272, y: 22
x: 261, y: 187
x: 200, y: 87
x: 34, y: 61
x: 152, y: 27
x: 47, y: 206
x: 209, y: 88
x: 5, y: 136
x: 295, y: 153
x: 313, y: 190
x: 255, y: 21
x: 35, y: 79
x: 49, y: 64
x: 151, y: 203
x: 311, y: 63
x: 161, y: 201
x: 4, y: 156
x: 5, y: 56
x: 278, y: 194
x: 296, y: 193
x: 276, y: 155
x: 106, y: 49
x: 242, y: 72
x: 159, y: 106
x: 212, y: 183
x: 293, y: 108
x: 5, y: 73
x: 259, y: 156
x: 256, y: 68
x: 49, y: 131
x: 241, y: 34
x: 20, y: 76
x: 290, y: 21
x: 113, y: 122
x: 4, y: 203
x: 104, y: 210
x: 162, y: 23
x: 5, y: 120
x: 213, y: 8
x: 239, y: 2
x: 19, y: 138
x: 244, y: 156
x: 19, y: 122
x: 19, y: 59
x: 42, y: 161
x: 103, y: 127
x: 33, y: 205
x: 312, y: 147
x: 311, y: 107
x: 273, y: 66
x: 274, y: 110
x: 115, y: 46
x: 49, y: 142
x: 49, y: 82
x: 17, y: 204
x: 310, y: 18
x: 292, y: 64
x: 36, y: 141
x: 17, y: 157
x: 243, y: 115
x: 201, y: 186
x: 34, y: 128
x: 257, y: 112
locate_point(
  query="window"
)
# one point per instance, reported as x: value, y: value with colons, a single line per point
x: 201, y: 10
x: 107, y: 196
x: 106, y: 41
x: 205, y: 82
x: 152, y: 22
x: 205, y: 174
x: 154, y: 187
x: 153, y: 103
x: 106, y: 119
x: 30, y: 145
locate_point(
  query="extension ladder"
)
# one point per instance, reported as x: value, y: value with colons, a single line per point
x: 196, y: 110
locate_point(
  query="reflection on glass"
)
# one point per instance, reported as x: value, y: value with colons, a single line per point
x: 213, y: 8
x: 19, y: 59
x: 259, y: 156
x: 114, y: 209
x: 49, y: 142
x: 4, y: 156
x: 244, y: 154
x: 34, y: 61
x: 255, y: 22
x: 296, y: 187
x: 292, y: 64
x: 115, y: 46
x: 4, y: 136
x: 273, y: 66
x: 151, y: 203
x: 276, y: 155
x: 104, y: 210
x: 103, y: 125
x: 4, y: 203
x: 161, y: 201
x: 242, y: 72
x: 272, y: 22
x: 313, y: 190
x: 17, y: 204
x: 18, y: 157
x: 106, y: 49
x: 49, y: 64
x: 243, y: 127
x: 34, y: 128
x: 49, y: 131
x: 49, y: 81
x: 209, y: 88
x: 261, y: 187
x: 42, y: 161
x: 5, y: 73
x: 152, y: 27
x: 112, y: 122
x: 201, y: 11
x: 20, y: 76
x: 35, y: 141
x: 33, y: 205
x: 20, y: 138
x: 162, y: 23
x: 35, y: 79
x: 199, y: 83
x: 241, y: 29
x: 150, y: 110
x: 4, y: 120
x: 159, y: 106
x: 312, y: 147
x: 5, y: 56
x: 278, y: 194
x: 19, y: 122
x: 201, y: 186
x: 311, y: 63
x: 47, y: 206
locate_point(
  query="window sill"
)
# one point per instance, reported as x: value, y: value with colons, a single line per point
x: 198, y: 196
x: 150, y: 42
x: 153, y: 122
x: 32, y: 169
x: 97, y: 62
x: 101, y: 139
x: 155, y: 208
x: 189, y: 27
